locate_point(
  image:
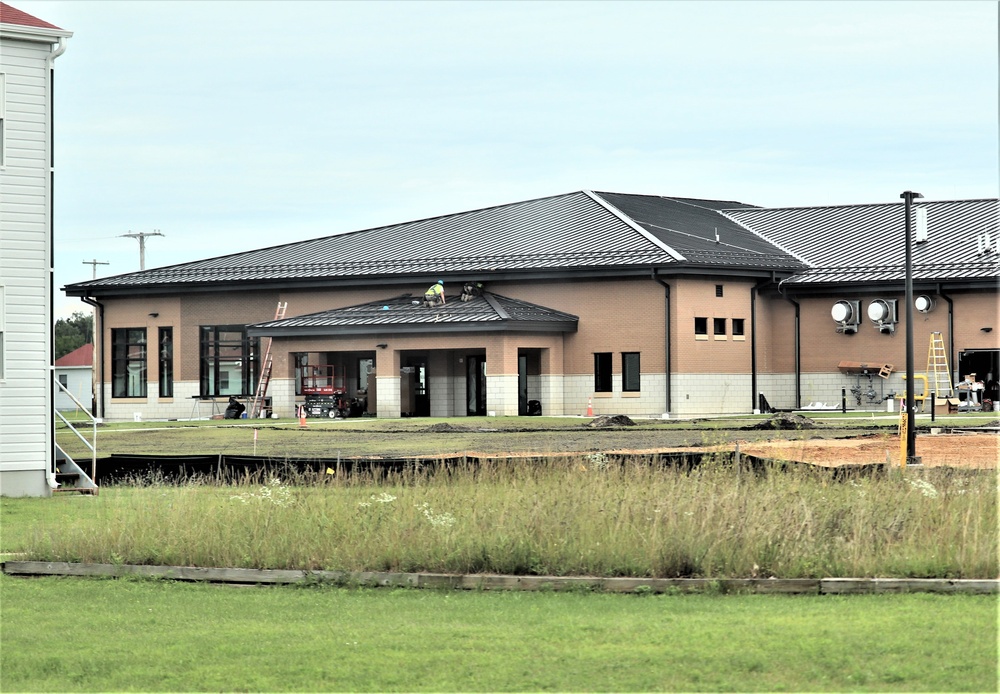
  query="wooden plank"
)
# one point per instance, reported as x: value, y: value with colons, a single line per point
x: 833, y: 586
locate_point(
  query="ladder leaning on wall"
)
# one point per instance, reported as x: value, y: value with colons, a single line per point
x: 938, y: 373
x: 265, y: 370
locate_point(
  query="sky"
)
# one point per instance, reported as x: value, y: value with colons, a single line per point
x: 228, y: 126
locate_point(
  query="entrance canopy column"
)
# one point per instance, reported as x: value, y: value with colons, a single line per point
x: 501, y: 376
x: 387, y: 404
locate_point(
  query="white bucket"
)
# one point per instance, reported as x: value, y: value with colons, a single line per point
x: 137, y: 416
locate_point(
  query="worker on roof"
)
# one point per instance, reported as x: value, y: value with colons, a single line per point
x: 434, y: 296
x: 470, y: 290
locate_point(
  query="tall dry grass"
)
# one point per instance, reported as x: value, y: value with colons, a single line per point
x: 563, y: 517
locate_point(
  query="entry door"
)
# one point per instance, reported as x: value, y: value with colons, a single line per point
x: 415, y: 371
x: 522, y: 385
x: 475, y: 385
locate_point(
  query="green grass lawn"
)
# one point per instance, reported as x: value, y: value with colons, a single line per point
x: 143, y: 635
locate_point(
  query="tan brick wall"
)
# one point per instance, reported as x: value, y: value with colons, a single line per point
x: 691, y: 298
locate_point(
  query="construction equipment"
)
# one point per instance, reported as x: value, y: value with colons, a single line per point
x: 938, y: 372
x: 265, y: 370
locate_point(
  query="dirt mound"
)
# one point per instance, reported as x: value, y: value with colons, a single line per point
x: 784, y: 420
x: 444, y: 428
x: 617, y: 420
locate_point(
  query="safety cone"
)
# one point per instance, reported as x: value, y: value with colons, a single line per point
x: 590, y: 407
x: 302, y: 418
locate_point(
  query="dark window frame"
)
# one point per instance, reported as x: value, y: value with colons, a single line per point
x: 739, y: 327
x: 165, y: 349
x: 128, y: 363
x: 603, y: 381
x: 217, y: 348
x: 701, y: 326
x: 719, y: 327
x: 631, y: 372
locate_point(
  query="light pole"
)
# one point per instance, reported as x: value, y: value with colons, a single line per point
x: 911, y: 433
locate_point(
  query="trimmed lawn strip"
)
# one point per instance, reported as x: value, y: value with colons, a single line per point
x: 142, y: 635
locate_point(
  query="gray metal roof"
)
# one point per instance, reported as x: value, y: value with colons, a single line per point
x: 866, y: 243
x: 489, y: 312
x: 575, y: 231
x: 604, y: 232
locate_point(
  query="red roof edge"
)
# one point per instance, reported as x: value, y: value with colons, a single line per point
x: 12, y: 15
x: 81, y: 356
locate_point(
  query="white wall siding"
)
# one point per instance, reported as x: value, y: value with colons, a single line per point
x: 26, y: 387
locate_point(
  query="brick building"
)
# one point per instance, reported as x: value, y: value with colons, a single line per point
x: 629, y: 304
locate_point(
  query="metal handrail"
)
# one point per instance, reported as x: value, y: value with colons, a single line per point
x: 93, y: 422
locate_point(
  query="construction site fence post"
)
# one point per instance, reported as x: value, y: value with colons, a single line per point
x: 932, y: 405
x: 843, y: 400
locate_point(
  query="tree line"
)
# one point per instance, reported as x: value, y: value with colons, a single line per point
x: 73, y: 332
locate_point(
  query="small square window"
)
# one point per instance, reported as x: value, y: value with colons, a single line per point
x: 738, y: 327
x: 718, y: 290
x: 701, y: 326
x: 719, y: 326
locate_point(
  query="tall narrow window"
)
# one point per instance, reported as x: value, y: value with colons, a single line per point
x: 630, y: 372
x: 602, y: 372
x: 3, y: 311
x: 166, y: 343
x: 229, y: 361
x: 3, y: 119
x: 128, y: 363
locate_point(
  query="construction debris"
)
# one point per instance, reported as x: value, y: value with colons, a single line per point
x: 617, y: 420
x: 784, y: 420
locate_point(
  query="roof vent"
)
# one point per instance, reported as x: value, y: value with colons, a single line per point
x: 921, y: 220
x: 985, y: 243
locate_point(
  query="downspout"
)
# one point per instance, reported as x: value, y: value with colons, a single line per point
x: 798, y: 344
x: 50, y: 476
x: 98, y: 349
x: 666, y: 335
x: 951, y: 333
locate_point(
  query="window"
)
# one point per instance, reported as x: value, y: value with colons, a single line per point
x: 3, y: 118
x: 602, y: 372
x: 701, y: 328
x: 630, y: 372
x: 128, y: 363
x: 365, y: 366
x: 3, y: 311
x: 229, y: 361
x: 718, y: 290
x: 166, y: 342
x: 719, y: 328
x: 63, y: 380
x: 739, y: 329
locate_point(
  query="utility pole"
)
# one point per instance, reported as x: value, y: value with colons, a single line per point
x: 911, y: 432
x: 141, y: 235
x: 94, y: 264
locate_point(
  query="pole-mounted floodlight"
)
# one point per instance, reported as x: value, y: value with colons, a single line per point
x: 911, y: 432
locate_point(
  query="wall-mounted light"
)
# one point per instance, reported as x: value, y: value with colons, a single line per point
x: 987, y: 330
x: 882, y: 312
x: 923, y: 303
x: 153, y: 315
x: 381, y: 345
x: 847, y: 315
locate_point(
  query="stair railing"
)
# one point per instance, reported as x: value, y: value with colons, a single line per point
x: 93, y: 421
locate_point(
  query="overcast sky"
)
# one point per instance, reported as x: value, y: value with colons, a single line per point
x: 232, y: 125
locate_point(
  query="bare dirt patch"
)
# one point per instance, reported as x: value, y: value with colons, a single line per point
x: 970, y: 450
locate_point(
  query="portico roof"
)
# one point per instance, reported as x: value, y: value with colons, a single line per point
x: 406, y: 313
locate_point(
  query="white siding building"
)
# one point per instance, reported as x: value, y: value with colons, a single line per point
x: 28, y: 48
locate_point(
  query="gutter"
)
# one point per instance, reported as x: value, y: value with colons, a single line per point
x: 50, y: 475
x: 666, y: 335
x: 98, y: 350
x: 798, y: 344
